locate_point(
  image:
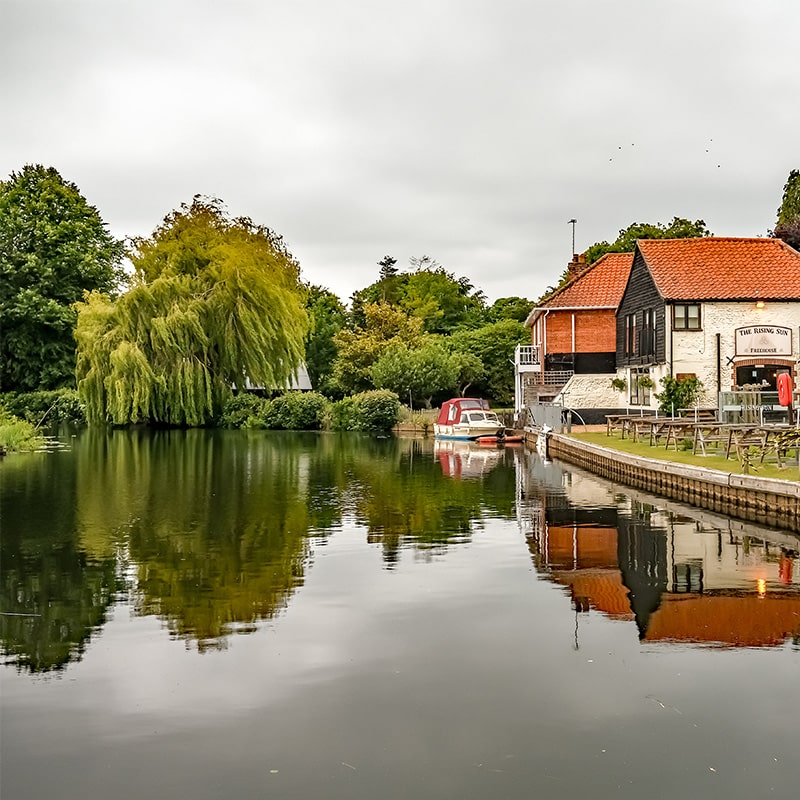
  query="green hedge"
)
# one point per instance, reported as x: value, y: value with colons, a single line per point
x: 377, y: 410
x: 296, y: 412
x: 46, y: 407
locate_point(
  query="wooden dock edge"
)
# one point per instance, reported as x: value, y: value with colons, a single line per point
x: 770, y: 501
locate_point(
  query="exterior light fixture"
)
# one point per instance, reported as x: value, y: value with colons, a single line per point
x: 760, y: 304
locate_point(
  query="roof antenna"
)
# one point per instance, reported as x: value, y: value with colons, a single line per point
x: 573, y: 222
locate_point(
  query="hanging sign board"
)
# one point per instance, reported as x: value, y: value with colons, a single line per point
x: 763, y: 340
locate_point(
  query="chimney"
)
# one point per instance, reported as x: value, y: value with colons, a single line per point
x: 577, y: 265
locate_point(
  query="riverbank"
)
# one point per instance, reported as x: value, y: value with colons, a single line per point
x: 769, y: 500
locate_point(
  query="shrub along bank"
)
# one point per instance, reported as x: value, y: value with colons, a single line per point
x: 377, y: 410
x: 17, y: 434
x: 46, y: 407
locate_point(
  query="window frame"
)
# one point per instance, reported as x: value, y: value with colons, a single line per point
x: 648, y: 335
x: 638, y: 395
x: 630, y: 334
x: 686, y: 317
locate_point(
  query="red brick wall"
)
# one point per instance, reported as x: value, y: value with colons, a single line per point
x: 595, y: 331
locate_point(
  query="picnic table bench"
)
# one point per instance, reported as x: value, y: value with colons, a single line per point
x: 779, y: 439
x: 698, y: 414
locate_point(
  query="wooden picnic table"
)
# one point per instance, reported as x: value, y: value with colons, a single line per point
x: 675, y: 430
x: 739, y: 438
x: 622, y: 423
x: 698, y: 414
x: 779, y: 439
x: 717, y: 434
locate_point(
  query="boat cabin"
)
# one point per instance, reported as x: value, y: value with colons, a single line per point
x: 452, y: 410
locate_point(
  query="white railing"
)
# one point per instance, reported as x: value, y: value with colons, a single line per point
x: 527, y: 355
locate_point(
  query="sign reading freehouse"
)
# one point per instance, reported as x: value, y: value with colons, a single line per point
x: 763, y: 340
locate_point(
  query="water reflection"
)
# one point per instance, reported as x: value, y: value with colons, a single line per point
x: 209, y: 530
x: 682, y: 575
x: 54, y: 592
x: 214, y: 532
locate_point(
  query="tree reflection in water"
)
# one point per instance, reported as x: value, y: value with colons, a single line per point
x: 208, y: 530
x: 214, y: 531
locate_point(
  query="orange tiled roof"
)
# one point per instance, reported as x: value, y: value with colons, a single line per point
x: 744, y: 621
x: 603, y: 588
x: 721, y: 268
x: 599, y: 286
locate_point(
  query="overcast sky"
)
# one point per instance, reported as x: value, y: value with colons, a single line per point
x: 467, y: 130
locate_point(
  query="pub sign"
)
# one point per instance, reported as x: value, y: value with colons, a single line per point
x: 763, y: 340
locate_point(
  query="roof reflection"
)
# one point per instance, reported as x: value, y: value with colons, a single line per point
x: 681, y: 574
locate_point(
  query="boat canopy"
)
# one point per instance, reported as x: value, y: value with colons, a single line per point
x: 450, y: 412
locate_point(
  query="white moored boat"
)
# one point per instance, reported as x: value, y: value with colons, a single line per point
x: 467, y: 418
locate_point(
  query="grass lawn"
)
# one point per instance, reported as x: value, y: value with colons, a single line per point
x: 765, y: 470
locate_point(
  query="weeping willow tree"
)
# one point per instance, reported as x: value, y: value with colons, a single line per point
x: 213, y: 302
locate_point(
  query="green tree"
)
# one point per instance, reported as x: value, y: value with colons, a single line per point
x: 359, y: 348
x: 679, y: 228
x: 214, y: 303
x: 787, y: 227
x: 494, y: 346
x: 327, y: 316
x: 440, y: 300
x: 425, y: 370
x: 386, y: 289
x: 516, y: 308
x: 53, y: 247
x: 470, y: 370
x: 428, y: 292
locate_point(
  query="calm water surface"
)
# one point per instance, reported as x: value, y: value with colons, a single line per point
x: 247, y: 614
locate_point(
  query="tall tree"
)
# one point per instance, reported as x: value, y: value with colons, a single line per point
x: 440, y: 300
x: 360, y: 347
x: 327, y: 316
x: 679, y: 228
x: 214, y: 303
x: 424, y: 371
x: 53, y: 247
x: 516, y: 308
x: 388, y: 268
x: 788, y: 224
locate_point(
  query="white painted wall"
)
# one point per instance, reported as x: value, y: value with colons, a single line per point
x: 590, y: 391
x: 695, y: 351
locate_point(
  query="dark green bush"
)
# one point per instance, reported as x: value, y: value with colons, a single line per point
x: 46, y: 407
x: 678, y: 393
x: 243, y: 411
x: 309, y: 411
x: 291, y: 411
x: 378, y: 410
x: 296, y: 411
x: 344, y: 414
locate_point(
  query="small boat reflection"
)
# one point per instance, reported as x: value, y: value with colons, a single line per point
x: 462, y: 459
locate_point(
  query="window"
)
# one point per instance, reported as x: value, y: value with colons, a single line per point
x: 686, y: 317
x: 648, y: 339
x: 640, y: 385
x: 630, y: 334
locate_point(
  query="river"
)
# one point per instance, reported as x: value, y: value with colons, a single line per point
x: 245, y: 614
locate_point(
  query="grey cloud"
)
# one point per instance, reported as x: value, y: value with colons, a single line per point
x: 468, y: 130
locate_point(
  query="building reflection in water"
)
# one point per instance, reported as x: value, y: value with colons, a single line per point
x: 681, y: 574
